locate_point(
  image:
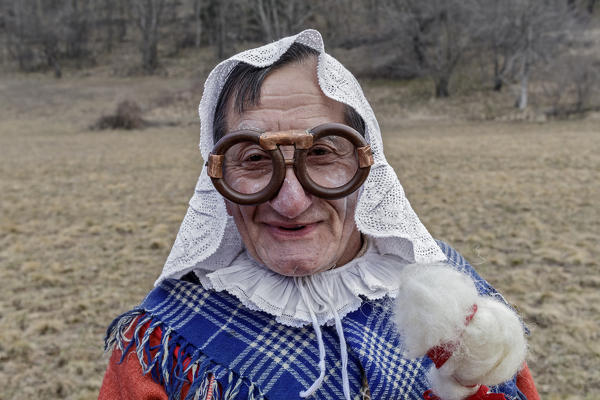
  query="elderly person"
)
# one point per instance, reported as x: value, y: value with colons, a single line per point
x: 279, y: 282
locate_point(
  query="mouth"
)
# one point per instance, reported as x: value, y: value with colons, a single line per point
x: 290, y: 230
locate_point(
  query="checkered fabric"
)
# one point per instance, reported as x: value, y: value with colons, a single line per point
x: 253, y: 356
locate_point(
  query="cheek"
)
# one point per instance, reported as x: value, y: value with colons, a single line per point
x: 242, y: 215
x: 332, y: 181
x: 345, y: 208
x: 247, y: 186
x: 248, y: 182
x: 248, y: 230
x: 331, y: 177
x: 246, y: 214
x: 338, y: 210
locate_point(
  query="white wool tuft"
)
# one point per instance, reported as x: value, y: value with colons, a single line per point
x: 446, y: 386
x: 431, y: 306
x: 431, y: 310
x: 493, y: 345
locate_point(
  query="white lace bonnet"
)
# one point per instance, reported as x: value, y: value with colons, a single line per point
x: 208, y: 238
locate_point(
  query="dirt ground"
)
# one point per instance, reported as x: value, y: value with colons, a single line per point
x: 87, y: 219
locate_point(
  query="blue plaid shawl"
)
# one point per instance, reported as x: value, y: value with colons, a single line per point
x: 254, y: 357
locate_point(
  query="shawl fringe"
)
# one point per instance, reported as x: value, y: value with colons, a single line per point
x: 172, y: 362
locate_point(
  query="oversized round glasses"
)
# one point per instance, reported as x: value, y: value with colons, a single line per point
x: 330, y: 161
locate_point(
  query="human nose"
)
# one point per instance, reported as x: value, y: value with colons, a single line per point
x: 291, y: 200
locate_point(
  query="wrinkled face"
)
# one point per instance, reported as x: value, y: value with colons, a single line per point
x: 295, y: 233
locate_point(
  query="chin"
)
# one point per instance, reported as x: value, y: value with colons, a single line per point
x: 296, y: 267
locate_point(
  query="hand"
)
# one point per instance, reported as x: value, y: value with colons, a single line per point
x: 473, y: 340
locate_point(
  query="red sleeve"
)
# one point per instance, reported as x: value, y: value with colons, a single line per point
x: 125, y: 381
x: 526, y: 385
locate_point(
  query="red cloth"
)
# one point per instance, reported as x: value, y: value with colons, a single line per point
x: 526, y: 385
x: 125, y: 381
x: 482, y: 394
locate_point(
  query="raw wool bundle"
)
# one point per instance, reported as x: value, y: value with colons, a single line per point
x: 473, y: 340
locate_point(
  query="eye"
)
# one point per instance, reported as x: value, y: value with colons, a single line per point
x: 320, y: 151
x: 255, y: 157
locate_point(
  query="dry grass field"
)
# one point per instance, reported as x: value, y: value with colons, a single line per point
x: 87, y: 219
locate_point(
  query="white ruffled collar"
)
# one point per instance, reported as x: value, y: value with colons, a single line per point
x: 338, y: 290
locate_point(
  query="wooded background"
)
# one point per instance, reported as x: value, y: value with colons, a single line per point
x: 514, y: 41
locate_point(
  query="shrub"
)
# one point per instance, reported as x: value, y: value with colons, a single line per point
x: 128, y: 115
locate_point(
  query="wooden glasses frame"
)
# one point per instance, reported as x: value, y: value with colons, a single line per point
x: 302, y: 141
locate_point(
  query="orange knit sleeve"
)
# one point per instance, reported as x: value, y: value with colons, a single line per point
x: 125, y: 381
x: 526, y: 385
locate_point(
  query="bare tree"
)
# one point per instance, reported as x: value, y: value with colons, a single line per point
x: 15, y: 32
x: 34, y: 30
x: 282, y: 17
x: 543, y: 28
x: 148, y: 15
x: 123, y: 19
x: 216, y: 17
x: 198, y: 22
x: 220, y: 27
x: 41, y: 33
x: 572, y: 85
x: 109, y: 6
x: 438, y: 32
x: 520, y: 34
x: 351, y: 23
x: 591, y: 5
x: 77, y: 27
x: 501, y: 38
x: 587, y: 5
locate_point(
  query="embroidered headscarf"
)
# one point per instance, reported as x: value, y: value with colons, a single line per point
x: 208, y: 238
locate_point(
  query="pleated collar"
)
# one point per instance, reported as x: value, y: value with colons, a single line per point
x: 340, y: 290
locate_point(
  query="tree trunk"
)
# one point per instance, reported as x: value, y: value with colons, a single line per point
x: 57, y: 70
x: 51, y: 53
x: 221, y: 33
x: 522, y: 103
x: 149, y: 13
x: 110, y: 34
x: 122, y: 21
x: 18, y: 35
x: 441, y: 87
x: 418, y: 50
x: 264, y: 20
x: 198, y: 17
x: 150, y: 54
x: 275, y: 18
x: 498, y: 82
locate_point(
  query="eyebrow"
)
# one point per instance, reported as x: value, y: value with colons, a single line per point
x: 244, y: 127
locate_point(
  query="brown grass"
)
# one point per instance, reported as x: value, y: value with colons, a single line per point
x: 88, y: 217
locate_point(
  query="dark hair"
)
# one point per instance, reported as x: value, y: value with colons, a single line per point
x: 245, y: 81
